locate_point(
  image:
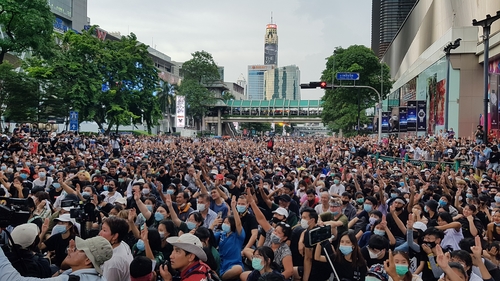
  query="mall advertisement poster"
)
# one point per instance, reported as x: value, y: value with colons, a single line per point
x: 411, y: 116
x: 422, y: 116
x: 436, y: 94
x: 386, y: 128
x: 369, y: 126
x: 494, y: 101
x: 403, y: 123
x: 394, y: 120
x: 375, y: 123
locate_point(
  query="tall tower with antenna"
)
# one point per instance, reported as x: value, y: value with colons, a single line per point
x: 271, y: 44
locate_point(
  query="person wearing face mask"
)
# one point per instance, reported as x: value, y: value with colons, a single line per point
x: 397, y: 267
x: 395, y: 219
x: 432, y: 237
x: 230, y: 244
x: 43, y: 180
x: 248, y: 222
x: 110, y: 194
x: 275, y: 236
x: 114, y: 229
x: 349, y: 259
x: 334, y: 217
x: 347, y: 208
x: 203, y: 207
x: 493, y: 228
x: 149, y: 246
x: 336, y: 188
x: 311, y: 269
x: 430, y: 210
x: 263, y: 263
x: 377, y: 250
x: 62, y: 233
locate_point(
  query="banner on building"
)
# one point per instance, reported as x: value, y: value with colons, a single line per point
x: 386, y: 127
x: 394, y: 120
x: 403, y: 122
x: 180, y: 111
x: 421, y: 116
x: 494, y: 101
x: 411, y: 116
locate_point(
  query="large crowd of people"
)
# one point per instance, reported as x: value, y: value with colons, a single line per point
x: 121, y: 207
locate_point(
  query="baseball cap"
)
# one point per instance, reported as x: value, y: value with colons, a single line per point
x: 281, y: 211
x: 420, y: 226
x: 65, y: 218
x: 25, y: 234
x: 25, y: 171
x: 122, y: 201
x: 285, y: 197
x: 189, y: 243
x: 335, y: 202
x: 97, y: 249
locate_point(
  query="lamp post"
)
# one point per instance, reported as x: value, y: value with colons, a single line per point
x: 447, y: 49
x: 486, y: 25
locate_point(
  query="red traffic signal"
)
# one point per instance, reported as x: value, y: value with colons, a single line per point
x: 323, y: 84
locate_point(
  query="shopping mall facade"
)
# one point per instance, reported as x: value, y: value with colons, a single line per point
x: 419, y: 67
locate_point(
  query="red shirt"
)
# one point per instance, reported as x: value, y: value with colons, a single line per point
x: 196, y: 272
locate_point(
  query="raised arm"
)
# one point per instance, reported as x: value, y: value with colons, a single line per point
x: 142, y: 207
x: 259, y: 216
x: 236, y: 216
x: 173, y: 214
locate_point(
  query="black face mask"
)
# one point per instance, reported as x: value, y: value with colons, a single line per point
x: 367, y: 190
x: 398, y: 209
x: 416, y: 234
x: 431, y: 245
x: 345, y: 202
x: 275, y: 220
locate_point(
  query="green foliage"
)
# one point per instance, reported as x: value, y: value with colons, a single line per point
x: 19, y: 93
x: 227, y: 96
x: 258, y: 127
x: 340, y: 108
x: 198, y: 97
x: 27, y: 25
x: 201, y: 68
x: 74, y: 76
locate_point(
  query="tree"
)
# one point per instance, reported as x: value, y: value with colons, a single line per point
x: 199, y: 72
x: 27, y: 25
x: 258, y: 127
x: 19, y: 94
x: 105, y: 81
x: 166, y: 100
x: 227, y: 96
x: 340, y: 107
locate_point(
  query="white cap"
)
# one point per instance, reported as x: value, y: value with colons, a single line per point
x: 281, y: 211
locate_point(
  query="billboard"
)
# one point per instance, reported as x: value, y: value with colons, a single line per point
x: 271, y: 54
x: 386, y: 127
x: 411, y: 116
x: 422, y: 116
x: 394, y: 120
x: 180, y: 111
x: 403, y: 122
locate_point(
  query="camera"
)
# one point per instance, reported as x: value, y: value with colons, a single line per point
x: 14, y: 211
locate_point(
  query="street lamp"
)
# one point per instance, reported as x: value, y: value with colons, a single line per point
x: 486, y: 24
x: 447, y: 49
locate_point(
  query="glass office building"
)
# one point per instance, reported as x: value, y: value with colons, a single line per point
x: 256, y: 83
x: 282, y: 83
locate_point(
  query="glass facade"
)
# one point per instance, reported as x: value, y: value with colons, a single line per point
x: 283, y: 83
x: 390, y: 17
x: 256, y: 84
x: 62, y: 7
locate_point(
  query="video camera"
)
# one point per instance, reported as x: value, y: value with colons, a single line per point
x: 14, y: 211
x: 82, y: 211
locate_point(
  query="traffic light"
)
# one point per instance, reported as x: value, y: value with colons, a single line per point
x: 323, y: 84
x: 313, y: 85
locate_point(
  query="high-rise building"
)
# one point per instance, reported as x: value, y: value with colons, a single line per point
x: 256, y: 84
x: 69, y: 14
x: 271, y: 44
x: 282, y: 83
x: 387, y: 18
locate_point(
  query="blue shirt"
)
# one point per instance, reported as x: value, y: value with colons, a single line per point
x: 219, y: 208
x: 230, y: 249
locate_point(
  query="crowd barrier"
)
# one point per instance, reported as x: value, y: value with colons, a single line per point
x: 422, y: 164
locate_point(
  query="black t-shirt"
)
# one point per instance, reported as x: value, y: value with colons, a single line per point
x: 249, y: 222
x: 370, y: 261
x: 29, y: 264
x: 394, y: 227
x: 53, y: 194
x: 320, y: 270
x: 297, y: 258
x: 59, y: 245
x: 427, y: 271
x: 347, y: 271
x: 494, y: 157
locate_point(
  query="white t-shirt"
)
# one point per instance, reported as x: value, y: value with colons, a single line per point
x: 337, y: 189
x: 118, y: 267
x: 39, y: 182
x: 451, y: 238
x: 111, y: 199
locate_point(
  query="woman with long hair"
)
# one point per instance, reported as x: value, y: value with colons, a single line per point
x: 207, y: 238
x: 397, y: 266
x: 350, y: 259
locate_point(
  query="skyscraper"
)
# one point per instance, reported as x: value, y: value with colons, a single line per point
x: 282, y: 83
x: 271, y: 44
x: 387, y: 18
x: 256, y: 85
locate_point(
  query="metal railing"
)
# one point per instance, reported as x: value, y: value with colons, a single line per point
x: 456, y: 165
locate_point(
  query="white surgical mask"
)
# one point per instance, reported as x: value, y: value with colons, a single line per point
x: 304, y: 223
x: 372, y: 254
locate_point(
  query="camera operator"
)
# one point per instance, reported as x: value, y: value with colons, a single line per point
x: 24, y: 255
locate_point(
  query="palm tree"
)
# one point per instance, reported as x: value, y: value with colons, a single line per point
x: 166, y: 98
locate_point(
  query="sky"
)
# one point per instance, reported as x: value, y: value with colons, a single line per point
x: 233, y: 30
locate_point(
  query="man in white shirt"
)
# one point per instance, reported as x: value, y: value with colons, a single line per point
x: 43, y: 180
x: 336, y: 188
x: 117, y: 268
x: 110, y: 194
